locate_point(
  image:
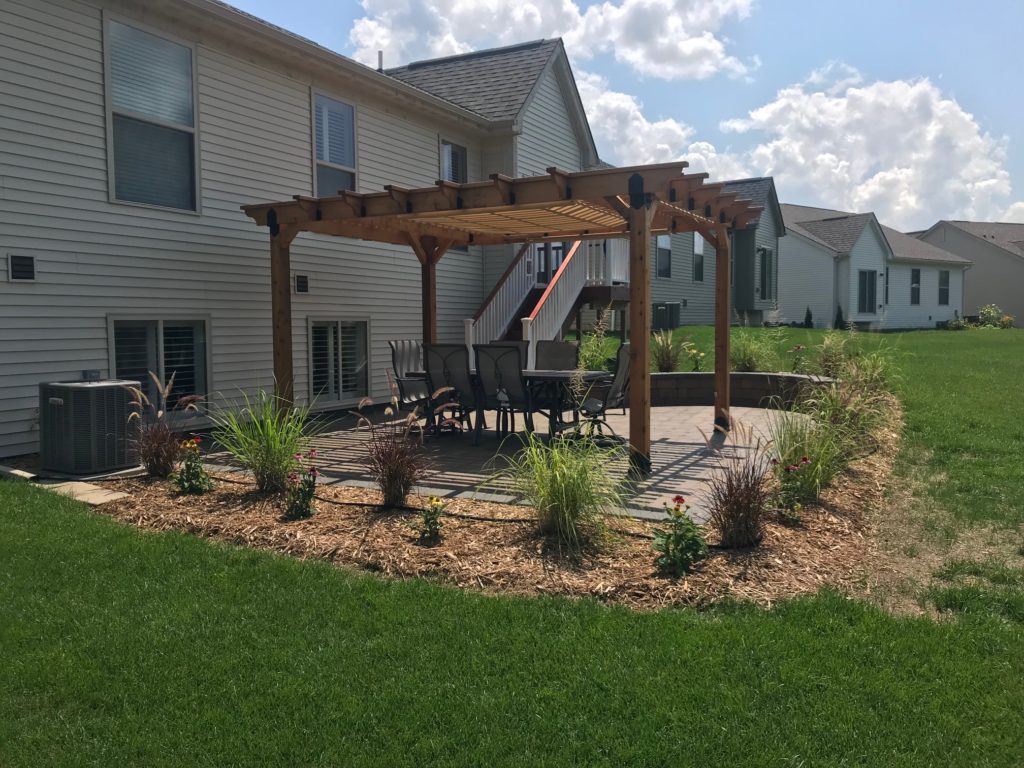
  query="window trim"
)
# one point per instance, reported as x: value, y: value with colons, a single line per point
x: 657, y: 258
x: 942, y: 303
x: 160, y: 318
x: 327, y: 405
x: 915, y: 285
x: 108, y: 106
x: 313, y: 93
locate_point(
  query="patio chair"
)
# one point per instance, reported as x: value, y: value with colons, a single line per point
x: 406, y: 357
x: 557, y: 356
x: 447, y: 368
x: 499, y: 369
x: 599, y: 400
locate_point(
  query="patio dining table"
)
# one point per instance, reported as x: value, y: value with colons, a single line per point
x: 555, y: 385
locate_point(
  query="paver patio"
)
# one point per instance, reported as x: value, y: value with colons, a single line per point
x: 681, y: 459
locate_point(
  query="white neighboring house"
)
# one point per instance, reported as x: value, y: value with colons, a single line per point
x: 848, y: 266
x: 132, y: 131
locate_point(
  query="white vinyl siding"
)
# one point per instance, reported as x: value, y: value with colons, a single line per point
x: 548, y: 137
x: 870, y: 253
x: 150, y: 88
x: 806, y: 281
x: 95, y: 258
x: 900, y: 313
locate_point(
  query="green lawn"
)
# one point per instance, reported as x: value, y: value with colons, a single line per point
x: 125, y: 647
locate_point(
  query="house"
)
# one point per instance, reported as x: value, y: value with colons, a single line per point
x: 996, y: 253
x: 132, y: 132
x: 847, y: 267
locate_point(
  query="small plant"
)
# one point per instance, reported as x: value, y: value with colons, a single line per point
x: 192, y: 477
x: 1006, y: 321
x: 302, y: 487
x: 795, y: 436
x: 394, y: 450
x: 739, y: 496
x: 808, y: 319
x: 681, y: 544
x: 792, y: 492
x: 666, y: 351
x: 958, y: 323
x: 567, y: 481
x: 800, y: 362
x: 839, y: 323
x: 159, y: 445
x: 429, y: 524
x: 264, y: 436
x: 754, y: 349
x: 696, y: 358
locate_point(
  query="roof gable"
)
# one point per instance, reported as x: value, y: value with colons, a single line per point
x: 907, y: 248
x: 1005, y: 235
x: 494, y: 83
x: 760, y: 190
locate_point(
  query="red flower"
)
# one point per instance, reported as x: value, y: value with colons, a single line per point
x: 312, y: 453
x: 775, y: 462
x: 805, y: 460
x: 678, y: 500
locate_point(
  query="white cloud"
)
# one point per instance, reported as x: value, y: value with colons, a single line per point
x: 1014, y: 213
x: 900, y: 148
x: 667, y: 39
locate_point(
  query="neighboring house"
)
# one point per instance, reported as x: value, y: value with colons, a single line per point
x: 132, y: 132
x: 996, y: 253
x: 848, y: 266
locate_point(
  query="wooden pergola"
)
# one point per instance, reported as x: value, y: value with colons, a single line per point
x: 638, y: 202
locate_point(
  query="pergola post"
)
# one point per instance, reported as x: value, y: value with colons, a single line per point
x: 723, y: 315
x: 281, y: 309
x: 429, y: 251
x: 639, y: 216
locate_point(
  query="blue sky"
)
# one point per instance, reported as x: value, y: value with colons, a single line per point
x: 918, y: 118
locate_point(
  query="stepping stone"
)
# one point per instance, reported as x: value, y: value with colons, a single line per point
x: 87, y: 493
x: 497, y: 498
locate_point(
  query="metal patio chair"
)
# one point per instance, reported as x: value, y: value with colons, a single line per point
x: 499, y: 369
x: 449, y: 383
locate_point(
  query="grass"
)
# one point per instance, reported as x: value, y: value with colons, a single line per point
x: 126, y: 647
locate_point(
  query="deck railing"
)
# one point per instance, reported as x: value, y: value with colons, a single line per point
x: 551, y: 312
x: 498, y: 311
x: 607, y: 262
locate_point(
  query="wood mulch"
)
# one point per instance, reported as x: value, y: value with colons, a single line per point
x: 495, y: 548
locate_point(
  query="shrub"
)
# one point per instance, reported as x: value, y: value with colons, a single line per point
x: 680, y: 545
x: 158, y: 444
x: 666, y: 351
x: 429, y: 523
x: 958, y: 323
x: 990, y: 315
x: 754, y: 350
x: 808, y: 319
x: 593, y: 353
x: 192, y: 477
x: 264, y: 437
x: 567, y: 481
x: 796, y: 436
x: 738, y: 493
x: 302, y: 488
x: 1006, y: 321
x: 394, y: 450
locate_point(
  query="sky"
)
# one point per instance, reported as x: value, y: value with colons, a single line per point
x: 908, y: 108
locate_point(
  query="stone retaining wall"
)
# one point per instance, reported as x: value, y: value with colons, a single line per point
x: 753, y: 390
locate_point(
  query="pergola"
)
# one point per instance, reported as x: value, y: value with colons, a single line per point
x: 638, y: 202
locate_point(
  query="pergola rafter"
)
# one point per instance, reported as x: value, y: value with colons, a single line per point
x: 637, y: 202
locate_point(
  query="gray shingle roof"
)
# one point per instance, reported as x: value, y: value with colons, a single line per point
x: 494, y: 83
x: 1009, y: 237
x: 907, y: 248
x: 758, y: 190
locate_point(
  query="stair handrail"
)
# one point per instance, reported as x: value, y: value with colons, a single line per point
x: 497, y: 312
x: 557, y: 301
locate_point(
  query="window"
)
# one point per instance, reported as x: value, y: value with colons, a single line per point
x: 664, y: 257
x: 454, y: 166
x: 915, y: 286
x: 767, y: 272
x: 165, y: 347
x: 338, y: 362
x: 335, y: 138
x: 698, y: 258
x: 152, y: 119
x: 867, y: 284
x: 887, y: 286
x: 943, y: 287
x: 21, y: 267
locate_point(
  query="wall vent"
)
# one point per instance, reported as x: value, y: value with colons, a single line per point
x: 21, y: 267
x: 302, y: 283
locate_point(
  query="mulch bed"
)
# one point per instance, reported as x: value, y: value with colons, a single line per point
x: 495, y: 548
